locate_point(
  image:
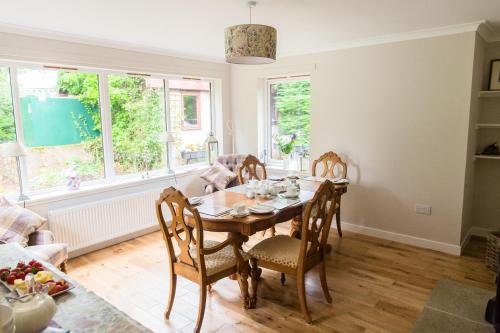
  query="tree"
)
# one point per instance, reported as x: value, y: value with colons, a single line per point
x: 137, y: 117
x: 292, y: 101
x: 7, y: 128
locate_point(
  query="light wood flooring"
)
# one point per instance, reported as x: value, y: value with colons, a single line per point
x: 376, y: 285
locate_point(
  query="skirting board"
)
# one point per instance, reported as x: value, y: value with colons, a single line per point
x: 110, y: 242
x: 402, y: 238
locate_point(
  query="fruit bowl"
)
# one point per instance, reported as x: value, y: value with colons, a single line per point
x: 13, y: 278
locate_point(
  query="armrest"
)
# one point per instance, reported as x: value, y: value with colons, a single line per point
x: 216, y: 248
x: 41, y: 237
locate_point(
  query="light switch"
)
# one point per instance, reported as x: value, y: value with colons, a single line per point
x: 423, y: 209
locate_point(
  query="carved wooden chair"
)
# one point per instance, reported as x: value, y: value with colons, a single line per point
x: 332, y: 166
x: 201, y: 261
x: 289, y: 255
x: 252, y: 168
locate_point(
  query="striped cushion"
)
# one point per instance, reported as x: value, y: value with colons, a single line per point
x: 55, y: 254
x: 41, y: 237
x: 218, y: 175
x: 17, y: 223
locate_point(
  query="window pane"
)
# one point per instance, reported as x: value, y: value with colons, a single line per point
x: 61, y: 126
x: 138, y: 118
x: 290, y: 108
x: 8, y: 169
x: 191, y: 119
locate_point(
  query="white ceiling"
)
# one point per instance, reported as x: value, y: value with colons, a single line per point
x: 195, y: 27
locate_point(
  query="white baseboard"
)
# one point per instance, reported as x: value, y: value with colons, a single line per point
x: 110, y: 242
x: 402, y: 238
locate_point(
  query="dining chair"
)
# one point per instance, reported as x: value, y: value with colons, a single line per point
x: 289, y: 255
x: 330, y: 164
x: 252, y: 168
x: 201, y: 261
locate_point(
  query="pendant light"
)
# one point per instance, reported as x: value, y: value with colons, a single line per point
x: 250, y: 44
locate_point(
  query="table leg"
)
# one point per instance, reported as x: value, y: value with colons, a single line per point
x: 243, y: 275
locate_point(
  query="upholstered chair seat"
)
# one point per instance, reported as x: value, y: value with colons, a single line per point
x: 220, y: 260
x: 281, y: 249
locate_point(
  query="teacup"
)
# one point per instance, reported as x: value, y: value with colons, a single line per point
x: 253, y: 183
x: 239, y: 208
x: 274, y: 190
x: 250, y: 193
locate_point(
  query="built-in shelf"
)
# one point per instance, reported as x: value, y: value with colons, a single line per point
x: 489, y: 94
x: 487, y: 125
x: 487, y: 157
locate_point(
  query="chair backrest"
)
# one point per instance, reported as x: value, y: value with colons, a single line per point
x: 331, y: 162
x: 251, y: 168
x: 186, y: 236
x: 317, y: 218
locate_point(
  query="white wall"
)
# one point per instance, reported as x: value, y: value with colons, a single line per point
x: 398, y: 113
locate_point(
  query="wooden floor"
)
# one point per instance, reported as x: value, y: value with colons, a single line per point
x: 377, y: 286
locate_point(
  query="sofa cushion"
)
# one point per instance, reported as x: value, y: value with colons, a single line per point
x: 41, y: 237
x: 55, y: 254
x: 219, y: 176
x: 17, y: 223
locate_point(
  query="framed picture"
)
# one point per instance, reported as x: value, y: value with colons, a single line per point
x: 495, y: 74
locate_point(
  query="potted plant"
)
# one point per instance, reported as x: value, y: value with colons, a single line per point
x: 286, y: 144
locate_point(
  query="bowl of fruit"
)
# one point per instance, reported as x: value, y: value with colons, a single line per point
x: 14, y: 278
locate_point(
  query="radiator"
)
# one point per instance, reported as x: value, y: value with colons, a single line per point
x: 85, y: 227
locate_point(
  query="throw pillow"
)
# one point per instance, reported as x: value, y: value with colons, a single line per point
x: 218, y: 175
x: 17, y: 223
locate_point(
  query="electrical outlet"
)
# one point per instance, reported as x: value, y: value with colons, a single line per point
x: 423, y: 209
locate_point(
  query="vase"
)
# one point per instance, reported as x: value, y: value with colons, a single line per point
x: 286, y: 161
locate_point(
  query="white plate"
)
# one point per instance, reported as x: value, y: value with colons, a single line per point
x: 233, y: 213
x: 288, y: 196
x: 195, y: 201
x: 258, y: 209
x: 341, y: 181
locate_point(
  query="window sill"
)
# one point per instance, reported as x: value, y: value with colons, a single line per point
x: 278, y: 170
x: 118, y: 184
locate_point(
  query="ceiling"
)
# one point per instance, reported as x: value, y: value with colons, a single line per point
x: 194, y: 28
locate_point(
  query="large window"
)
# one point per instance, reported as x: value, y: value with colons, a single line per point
x: 8, y: 172
x: 289, y: 119
x: 191, y: 119
x: 61, y: 125
x: 138, y: 119
x: 98, y: 125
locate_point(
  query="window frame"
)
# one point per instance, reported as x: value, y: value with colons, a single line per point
x: 198, y: 110
x: 110, y: 176
x: 267, y: 133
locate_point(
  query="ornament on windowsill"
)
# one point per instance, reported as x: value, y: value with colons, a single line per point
x: 72, y: 179
x: 492, y: 149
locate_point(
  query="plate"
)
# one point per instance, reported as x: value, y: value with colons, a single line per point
x: 259, y: 209
x: 195, y: 201
x: 55, y: 278
x: 341, y: 181
x: 233, y: 213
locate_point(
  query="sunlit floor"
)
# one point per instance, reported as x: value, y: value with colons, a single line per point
x: 377, y: 286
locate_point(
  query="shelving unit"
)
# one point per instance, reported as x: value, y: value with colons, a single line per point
x: 489, y: 94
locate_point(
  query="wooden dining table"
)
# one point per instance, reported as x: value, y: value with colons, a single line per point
x: 240, y: 228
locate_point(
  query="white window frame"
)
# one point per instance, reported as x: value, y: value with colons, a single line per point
x: 268, y: 139
x: 110, y: 176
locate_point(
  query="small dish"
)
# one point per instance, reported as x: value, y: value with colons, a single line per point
x: 233, y: 213
x: 288, y: 195
x: 259, y: 209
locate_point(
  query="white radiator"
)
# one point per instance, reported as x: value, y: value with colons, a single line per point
x: 88, y: 227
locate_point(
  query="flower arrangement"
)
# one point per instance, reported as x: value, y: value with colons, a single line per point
x: 286, y: 143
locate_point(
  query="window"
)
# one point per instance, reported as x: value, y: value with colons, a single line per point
x: 86, y: 126
x: 61, y: 126
x: 289, y: 119
x: 8, y: 169
x: 190, y: 118
x: 138, y: 119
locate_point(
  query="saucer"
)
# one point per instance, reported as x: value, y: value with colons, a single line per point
x: 259, y: 209
x: 195, y: 201
x: 289, y: 196
x: 233, y: 213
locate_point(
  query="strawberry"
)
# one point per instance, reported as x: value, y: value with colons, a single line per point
x: 11, y: 278
x: 4, y: 275
x: 21, y: 275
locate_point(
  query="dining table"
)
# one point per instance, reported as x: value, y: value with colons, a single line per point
x: 78, y: 309
x: 240, y: 228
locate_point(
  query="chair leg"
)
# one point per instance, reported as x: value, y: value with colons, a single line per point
x: 62, y: 266
x: 201, y: 307
x: 171, y: 296
x: 301, y: 288
x: 322, y: 277
x: 337, y: 216
x: 283, y: 279
x: 273, y: 231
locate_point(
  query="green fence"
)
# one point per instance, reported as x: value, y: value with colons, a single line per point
x: 54, y: 121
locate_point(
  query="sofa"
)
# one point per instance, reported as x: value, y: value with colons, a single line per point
x: 232, y: 162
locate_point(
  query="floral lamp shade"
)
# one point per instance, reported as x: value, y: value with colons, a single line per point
x: 250, y: 44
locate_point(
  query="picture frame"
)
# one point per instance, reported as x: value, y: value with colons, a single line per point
x: 495, y: 74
